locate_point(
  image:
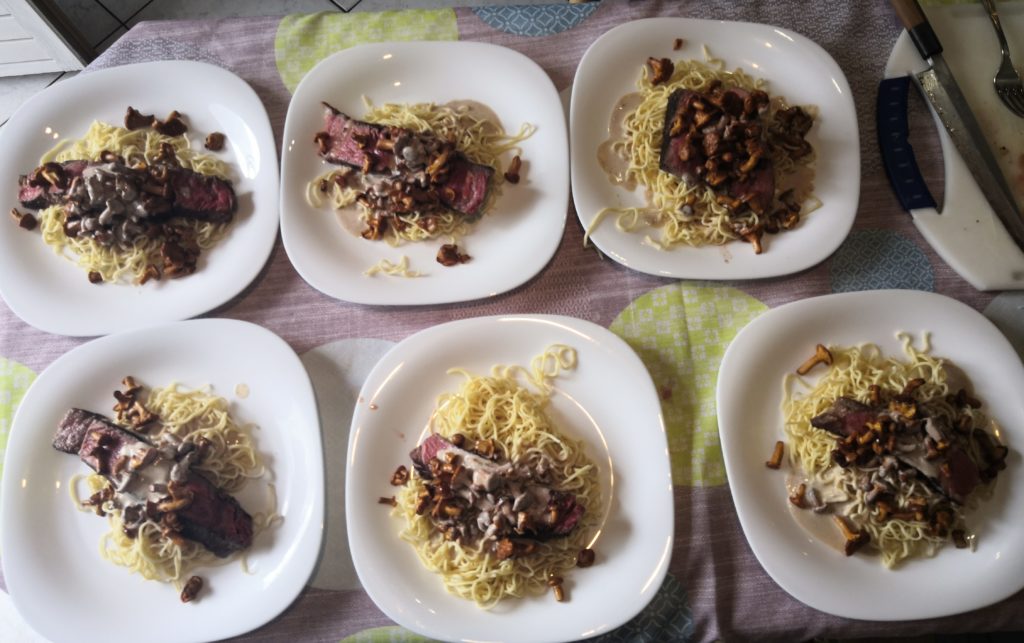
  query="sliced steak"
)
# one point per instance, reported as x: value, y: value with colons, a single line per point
x: 202, y: 197
x: 134, y: 465
x: 394, y: 162
x: 355, y: 143
x: 757, y: 189
x: 466, y: 189
x: 214, y: 518
x: 35, y: 191
x: 678, y: 118
x: 495, y: 500
x: 846, y: 417
x: 132, y: 193
x: 717, y: 138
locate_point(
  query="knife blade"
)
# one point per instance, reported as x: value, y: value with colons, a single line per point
x: 942, y: 92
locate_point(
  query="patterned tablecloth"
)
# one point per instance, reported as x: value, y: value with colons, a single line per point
x: 715, y: 588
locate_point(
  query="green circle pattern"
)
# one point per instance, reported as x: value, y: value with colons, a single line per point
x: 304, y: 40
x: 14, y: 382
x: 681, y: 332
x: 386, y: 634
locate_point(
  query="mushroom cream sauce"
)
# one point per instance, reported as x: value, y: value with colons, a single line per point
x: 838, y: 491
x: 499, y: 409
x: 630, y: 157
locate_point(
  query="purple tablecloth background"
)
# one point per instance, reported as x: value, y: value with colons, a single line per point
x: 716, y: 587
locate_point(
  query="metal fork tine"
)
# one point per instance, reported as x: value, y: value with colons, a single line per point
x: 1007, y: 82
x: 1016, y: 102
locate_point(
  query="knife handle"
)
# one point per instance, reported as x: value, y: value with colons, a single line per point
x: 917, y: 26
x: 893, y: 141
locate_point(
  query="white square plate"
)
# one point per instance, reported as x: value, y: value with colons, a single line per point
x: 608, y: 402
x: 51, y: 557
x: 795, y: 68
x: 52, y: 293
x: 749, y: 399
x: 509, y: 245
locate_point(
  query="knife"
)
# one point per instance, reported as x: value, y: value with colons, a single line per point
x: 942, y: 92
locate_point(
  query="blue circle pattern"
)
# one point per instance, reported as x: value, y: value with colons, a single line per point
x: 874, y: 259
x: 535, y: 20
x: 666, y: 618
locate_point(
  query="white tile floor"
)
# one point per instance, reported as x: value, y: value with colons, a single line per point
x: 102, y: 22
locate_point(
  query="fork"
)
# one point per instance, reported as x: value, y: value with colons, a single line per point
x: 1007, y: 82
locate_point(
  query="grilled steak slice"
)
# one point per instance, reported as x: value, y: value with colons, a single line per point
x: 397, y: 157
x: 465, y: 190
x: 678, y: 118
x: 352, y: 142
x: 129, y: 192
x: 495, y: 500
x: 200, y: 196
x: 846, y: 417
x: 134, y: 466
x: 35, y: 191
x: 717, y: 138
x: 757, y: 189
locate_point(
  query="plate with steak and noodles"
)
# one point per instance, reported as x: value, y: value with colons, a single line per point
x: 207, y: 476
x: 712, y: 150
x: 423, y: 173
x: 146, y: 203
x: 895, y: 421
x: 525, y: 490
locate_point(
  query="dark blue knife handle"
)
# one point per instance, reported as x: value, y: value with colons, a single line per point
x: 893, y: 140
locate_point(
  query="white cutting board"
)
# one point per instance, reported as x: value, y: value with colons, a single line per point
x: 966, y: 233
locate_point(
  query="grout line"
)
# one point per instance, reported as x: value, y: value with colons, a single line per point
x: 137, y: 12
x: 59, y: 76
x: 112, y: 14
x: 104, y: 38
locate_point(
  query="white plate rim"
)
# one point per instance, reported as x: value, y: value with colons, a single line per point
x: 798, y: 562
x: 229, y: 101
x: 812, y: 242
x: 420, y: 615
x: 302, y: 500
x: 549, y: 213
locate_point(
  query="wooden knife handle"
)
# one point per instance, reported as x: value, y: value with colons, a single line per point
x: 917, y: 26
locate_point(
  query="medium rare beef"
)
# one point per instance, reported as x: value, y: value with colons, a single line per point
x: 394, y: 163
x: 496, y: 499
x: 137, y: 468
x: 674, y: 147
x: 36, y: 192
x: 716, y: 138
x: 915, y: 442
x: 355, y: 143
x: 158, y: 192
x: 201, y: 196
x: 845, y: 417
x: 465, y: 190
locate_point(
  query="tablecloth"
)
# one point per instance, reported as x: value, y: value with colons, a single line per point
x: 715, y: 588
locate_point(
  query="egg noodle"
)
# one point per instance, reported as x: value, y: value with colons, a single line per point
x: 853, y: 371
x: 388, y: 267
x: 230, y: 463
x: 709, y: 222
x: 116, y: 263
x: 481, y: 139
x: 496, y: 407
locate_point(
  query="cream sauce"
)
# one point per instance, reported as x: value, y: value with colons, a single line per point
x: 821, y: 527
x: 613, y: 163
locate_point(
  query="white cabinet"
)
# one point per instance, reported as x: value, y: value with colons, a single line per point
x: 29, y: 44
